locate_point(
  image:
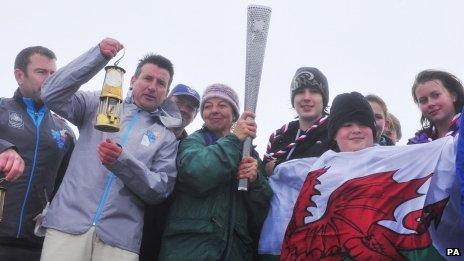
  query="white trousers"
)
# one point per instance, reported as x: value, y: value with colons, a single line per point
x: 59, y: 246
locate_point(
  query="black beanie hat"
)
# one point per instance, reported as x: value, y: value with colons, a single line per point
x: 310, y: 77
x: 350, y: 107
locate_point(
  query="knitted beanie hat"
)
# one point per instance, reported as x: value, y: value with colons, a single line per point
x: 310, y: 77
x: 222, y: 91
x: 350, y: 107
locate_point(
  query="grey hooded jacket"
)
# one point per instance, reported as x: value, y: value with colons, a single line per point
x: 111, y: 198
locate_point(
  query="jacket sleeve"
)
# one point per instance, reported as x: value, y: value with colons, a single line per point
x: 153, y: 184
x: 4, y: 145
x: 65, y: 161
x: 202, y: 168
x: 268, y: 148
x: 59, y: 91
x: 258, y: 199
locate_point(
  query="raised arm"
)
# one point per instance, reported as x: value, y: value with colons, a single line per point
x: 59, y: 91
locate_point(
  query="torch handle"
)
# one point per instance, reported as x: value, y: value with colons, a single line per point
x: 246, y: 152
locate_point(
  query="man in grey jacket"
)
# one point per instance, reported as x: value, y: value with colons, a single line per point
x: 97, y: 214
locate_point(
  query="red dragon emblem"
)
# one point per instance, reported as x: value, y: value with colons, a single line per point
x: 349, y: 227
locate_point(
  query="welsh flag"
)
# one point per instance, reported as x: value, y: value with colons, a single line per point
x: 380, y: 203
x: 286, y: 182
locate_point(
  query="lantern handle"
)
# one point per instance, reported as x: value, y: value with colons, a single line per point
x: 124, y: 53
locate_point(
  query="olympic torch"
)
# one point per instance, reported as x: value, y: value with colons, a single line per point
x: 109, y: 109
x: 257, y: 29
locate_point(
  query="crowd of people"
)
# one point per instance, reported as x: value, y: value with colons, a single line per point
x: 154, y: 192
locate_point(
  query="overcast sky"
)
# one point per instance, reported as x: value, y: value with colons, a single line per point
x: 360, y: 45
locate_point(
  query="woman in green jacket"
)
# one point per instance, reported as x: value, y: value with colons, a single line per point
x: 210, y: 219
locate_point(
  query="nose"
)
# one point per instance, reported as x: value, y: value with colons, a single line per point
x: 430, y: 103
x: 152, y: 86
x: 183, y: 108
x: 307, y: 95
x: 355, y: 128
x: 214, y: 108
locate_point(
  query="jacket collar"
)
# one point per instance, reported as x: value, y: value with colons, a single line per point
x: 167, y: 113
x: 28, y: 103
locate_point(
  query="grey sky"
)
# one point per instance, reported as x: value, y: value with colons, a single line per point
x: 368, y: 46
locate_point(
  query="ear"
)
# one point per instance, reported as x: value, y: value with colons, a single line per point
x: 133, y: 79
x: 19, y: 76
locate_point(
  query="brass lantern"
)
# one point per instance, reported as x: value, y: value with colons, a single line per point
x: 109, y: 109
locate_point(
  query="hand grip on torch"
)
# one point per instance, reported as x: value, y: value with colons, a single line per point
x: 246, y: 152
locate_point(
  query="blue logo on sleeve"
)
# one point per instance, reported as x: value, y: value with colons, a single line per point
x: 59, y: 137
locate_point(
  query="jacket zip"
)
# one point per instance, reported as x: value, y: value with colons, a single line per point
x: 215, y: 221
x: 231, y: 220
x: 111, y: 176
x: 37, y: 122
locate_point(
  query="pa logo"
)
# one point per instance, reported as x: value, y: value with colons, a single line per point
x: 453, y: 251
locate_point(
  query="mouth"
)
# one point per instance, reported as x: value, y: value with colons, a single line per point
x: 149, y: 97
x: 215, y: 119
x: 356, y: 139
x: 433, y: 112
x: 307, y: 107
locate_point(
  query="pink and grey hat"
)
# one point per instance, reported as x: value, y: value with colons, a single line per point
x: 219, y: 90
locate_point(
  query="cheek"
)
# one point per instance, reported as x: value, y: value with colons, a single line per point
x: 297, y: 98
x: 39, y: 80
x: 318, y: 99
x: 205, y: 114
x: 448, y: 101
x: 161, y: 92
x: 381, y: 123
x: 341, y: 135
x: 423, y: 108
x: 136, y: 89
x: 188, y: 115
x: 369, y: 135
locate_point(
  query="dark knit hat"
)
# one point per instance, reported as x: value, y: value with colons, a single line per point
x: 219, y: 90
x: 310, y: 77
x: 350, y: 107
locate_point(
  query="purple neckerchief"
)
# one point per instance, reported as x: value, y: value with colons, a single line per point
x: 423, y: 137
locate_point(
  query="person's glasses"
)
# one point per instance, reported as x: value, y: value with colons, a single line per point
x: 188, y: 106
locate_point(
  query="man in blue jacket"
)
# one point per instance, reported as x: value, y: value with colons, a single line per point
x: 28, y: 130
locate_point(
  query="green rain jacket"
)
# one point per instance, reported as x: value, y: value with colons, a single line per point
x: 210, y: 219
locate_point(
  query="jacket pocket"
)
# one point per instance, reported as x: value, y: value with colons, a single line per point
x: 187, y: 226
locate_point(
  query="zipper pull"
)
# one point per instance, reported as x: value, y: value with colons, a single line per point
x: 216, y: 222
